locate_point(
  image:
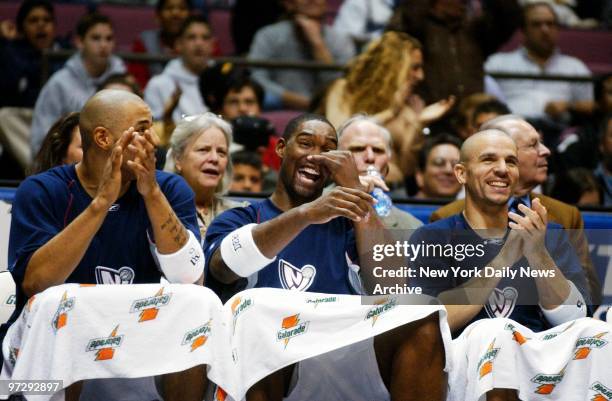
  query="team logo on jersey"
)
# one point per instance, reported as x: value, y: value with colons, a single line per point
x: 293, y: 278
x: 238, y: 306
x: 149, y: 307
x: 322, y: 300
x: 501, y: 303
x: 584, y: 345
x: 105, y: 347
x: 516, y: 335
x: 114, y: 207
x: 602, y: 393
x: 382, y: 306
x: 546, y: 382
x: 197, y: 337
x: 291, y: 327
x: 485, y: 364
x: 106, y: 275
x: 60, y: 319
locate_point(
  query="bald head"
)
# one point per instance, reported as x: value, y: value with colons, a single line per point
x: 111, y: 109
x: 472, y: 146
x: 368, y: 141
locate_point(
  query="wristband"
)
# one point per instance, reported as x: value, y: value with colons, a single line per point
x: 185, y: 265
x: 241, y: 254
x: 572, y: 308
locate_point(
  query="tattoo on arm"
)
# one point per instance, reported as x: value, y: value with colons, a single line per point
x: 174, y: 226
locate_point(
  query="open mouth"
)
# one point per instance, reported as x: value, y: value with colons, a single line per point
x: 499, y: 184
x: 309, y: 174
x: 211, y: 172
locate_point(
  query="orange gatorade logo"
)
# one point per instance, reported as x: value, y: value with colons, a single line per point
x: 485, y: 364
x: 197, y: 337
x: 602, y: 393
x: 220, y: 394
x: 291, y: 327
x: 546, y: 382
x: 105, y: 347
x: 516, y: 335
x: 149, y: 307
x: 60, y: 319
x: 383, y: 305
x: 584, y: 345
x: 239, y: 305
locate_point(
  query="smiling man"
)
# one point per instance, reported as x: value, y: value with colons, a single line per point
x: 300, y: 239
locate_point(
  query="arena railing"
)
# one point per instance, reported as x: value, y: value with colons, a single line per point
x: 48, y: 56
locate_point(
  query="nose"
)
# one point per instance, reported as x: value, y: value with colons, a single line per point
x: 213, y: 156
x: 543, y: 151
x: 501, y: 168
x: 369, y: 155
x: 419, y: 75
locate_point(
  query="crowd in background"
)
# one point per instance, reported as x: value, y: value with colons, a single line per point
x: 422, y: 68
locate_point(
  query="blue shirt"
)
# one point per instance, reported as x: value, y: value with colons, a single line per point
x: 317, y: 260
x: 119, y: 253
x: 515, y: 298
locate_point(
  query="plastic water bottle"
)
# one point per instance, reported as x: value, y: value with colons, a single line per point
x: 384, y: 202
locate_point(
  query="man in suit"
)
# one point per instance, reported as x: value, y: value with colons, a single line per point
x: 533, y: 170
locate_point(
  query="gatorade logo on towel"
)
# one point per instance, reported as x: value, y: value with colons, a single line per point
x: 584, y: 345
x: 602, y: 393
x: 546, y: 382
x: 60, y: 319
x: 291, y: 326
x: 105, y: 347
x: 197, y: 337
x: 149, y: 307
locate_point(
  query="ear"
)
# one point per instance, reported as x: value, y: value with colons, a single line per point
x: 280, y: 148
x: 102, y: 138
x: 178, y: 167
x: 460, y: 173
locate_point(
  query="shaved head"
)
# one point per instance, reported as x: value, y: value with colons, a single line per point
x: 473, y: 144
x: 109, y: 108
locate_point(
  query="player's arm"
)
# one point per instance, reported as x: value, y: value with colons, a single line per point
x: 52, y: 263
x: 250, y: 248
x: 177, y: 249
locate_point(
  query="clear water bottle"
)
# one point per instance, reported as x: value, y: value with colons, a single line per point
x: 384, y: 202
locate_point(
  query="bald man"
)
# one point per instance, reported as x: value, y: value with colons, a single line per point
x: 110, y: 219
x: 502, y: 241
x: 533, y: 171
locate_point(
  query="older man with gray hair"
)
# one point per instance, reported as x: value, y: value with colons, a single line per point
x: 370, y: 144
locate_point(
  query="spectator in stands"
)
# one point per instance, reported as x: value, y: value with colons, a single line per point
x: 69, y: 88
x: 435, y: 175
x: 370, y: 144
x: 248, y: 17
x: 303, y: 37
x: 487, y: 111
x: 381, y: 83
x: 199, y: 149
x: 533, y: 171
x: 174, y: 93
x: 62, y: 145
x: 577, y: 186
x: 22, y: 54
x: 603, y: 172
x: 463, y: 118
x: 248, y: 173
x: 578, y: 149
x: 455, y: 46
x: 170, y: 15
x: 539, y: 55
x: 364, y: 20
x: 124, y: 81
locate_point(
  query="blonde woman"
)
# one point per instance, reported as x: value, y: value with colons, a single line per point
x: 199, y: 152
x: 380, y: 82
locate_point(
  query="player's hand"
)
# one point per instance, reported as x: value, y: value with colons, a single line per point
x: 531, y: 226
x: 110, y: 184
x: 143, y: 165
x: 370, y: 182
x: 353, y: 204
x: 341, y: 167
x: 8, y: 30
